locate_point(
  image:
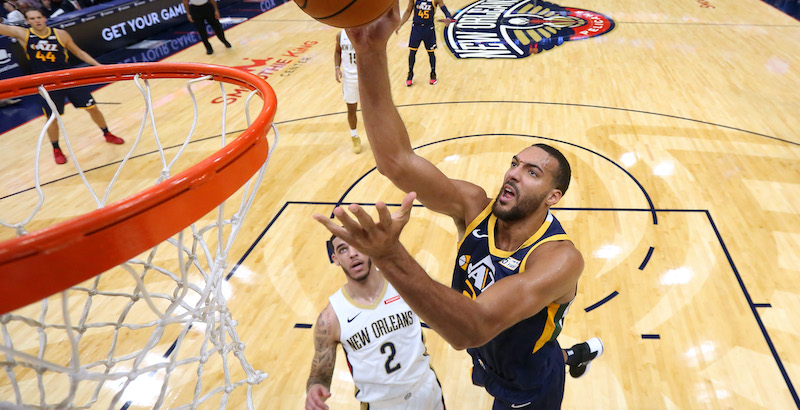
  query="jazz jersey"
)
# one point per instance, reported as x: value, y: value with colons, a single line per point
x: 46, y: 53
x: 519, y: 363
x: 423, y: 12
x: 348, y: 66
x: 382, y: 343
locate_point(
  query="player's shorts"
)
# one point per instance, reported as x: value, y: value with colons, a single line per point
x: 425, y: 395
x: 422, y: 34
x: 508, y: 397
x: 80, y: 97
x: 350, y: 88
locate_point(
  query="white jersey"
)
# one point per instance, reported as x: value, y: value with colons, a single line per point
x: 348, y: 66
x: 382, y: 343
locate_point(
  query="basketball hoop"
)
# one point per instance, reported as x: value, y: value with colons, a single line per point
x: 47, y: 261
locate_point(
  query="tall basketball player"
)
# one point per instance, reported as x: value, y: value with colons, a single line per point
x: 516, y: 271
x: 47, y: 51
x: 422, y: 32
x: 381, y: 338
x: 344, y: 61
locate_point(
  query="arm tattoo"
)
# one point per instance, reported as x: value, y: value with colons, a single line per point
x: 324, y: 353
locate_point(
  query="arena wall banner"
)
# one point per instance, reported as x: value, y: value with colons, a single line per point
x: 121, y: 25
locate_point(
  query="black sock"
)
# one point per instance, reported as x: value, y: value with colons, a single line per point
x: 105, y: 130
x: 432, y: 59
x: 55, y: 145
x: 578, y: 354
x: 572, y: 358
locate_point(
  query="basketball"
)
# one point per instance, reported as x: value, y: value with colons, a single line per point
x: 345, y: 13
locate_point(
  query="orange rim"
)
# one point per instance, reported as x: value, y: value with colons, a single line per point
x: 55, y: 258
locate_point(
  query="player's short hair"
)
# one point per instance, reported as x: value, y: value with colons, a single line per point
x: 329, y: 245
x: 330, y: 248
x: 32, y: 9
x: 562, y: 177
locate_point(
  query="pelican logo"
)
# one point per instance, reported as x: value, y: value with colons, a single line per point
x: 519, y: 28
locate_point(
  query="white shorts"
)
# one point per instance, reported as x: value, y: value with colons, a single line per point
x: 425, y: 395
x: 350, y: 89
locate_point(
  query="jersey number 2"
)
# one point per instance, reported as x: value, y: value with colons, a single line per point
x: 389, y: 359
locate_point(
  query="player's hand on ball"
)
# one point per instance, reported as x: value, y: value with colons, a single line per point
x: 376, y: 33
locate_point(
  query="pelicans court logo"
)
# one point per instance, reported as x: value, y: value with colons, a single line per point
x: 519, y: 28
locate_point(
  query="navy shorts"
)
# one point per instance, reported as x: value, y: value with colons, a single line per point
x: 547, y: 397
x: 422, y: 34
x: 80, y: 97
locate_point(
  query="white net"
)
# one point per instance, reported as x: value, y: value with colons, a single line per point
x: 153, y: 332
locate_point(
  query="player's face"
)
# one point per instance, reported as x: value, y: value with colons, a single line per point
x: 355, y: 264
x: 528, y: 183
x: 36, y: 19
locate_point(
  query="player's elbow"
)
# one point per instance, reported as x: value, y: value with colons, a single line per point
x: 394, y: 167
x: 468, y: 340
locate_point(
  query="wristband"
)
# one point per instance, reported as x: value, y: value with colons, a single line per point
x: 447, y: 13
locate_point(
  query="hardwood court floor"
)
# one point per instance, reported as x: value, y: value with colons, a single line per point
x: 682, y: 129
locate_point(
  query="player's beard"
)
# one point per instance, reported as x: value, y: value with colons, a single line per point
x: 524, y: 207
x: 362, y: 278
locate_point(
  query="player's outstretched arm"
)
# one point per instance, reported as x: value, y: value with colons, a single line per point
x: 389, y: 138
x: 326, y: 337
x: 550, y: 276
x: 74, y: 49
x: 13, y: 31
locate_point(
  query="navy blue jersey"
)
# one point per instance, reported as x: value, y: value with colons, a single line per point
x: 423, y: 12
x: 46, y: 53
x: 522, y: 362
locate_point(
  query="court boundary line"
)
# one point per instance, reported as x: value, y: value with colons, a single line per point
x: 753, y: 306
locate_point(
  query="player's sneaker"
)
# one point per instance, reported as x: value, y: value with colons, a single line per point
x: 410, y: 79
x: 59, y: 156
x: 434, y: 80
x: 586, y: 352
x: 227, y: 44
x: 113, y: 139
x: 356, y: 144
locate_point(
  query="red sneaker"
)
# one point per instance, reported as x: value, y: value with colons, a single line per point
x: 434, y: 80
x: 410, y: 79
x: 59, y: 156
x: 113, y: 139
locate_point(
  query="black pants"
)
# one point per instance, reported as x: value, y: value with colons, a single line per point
x: 203, y: 14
